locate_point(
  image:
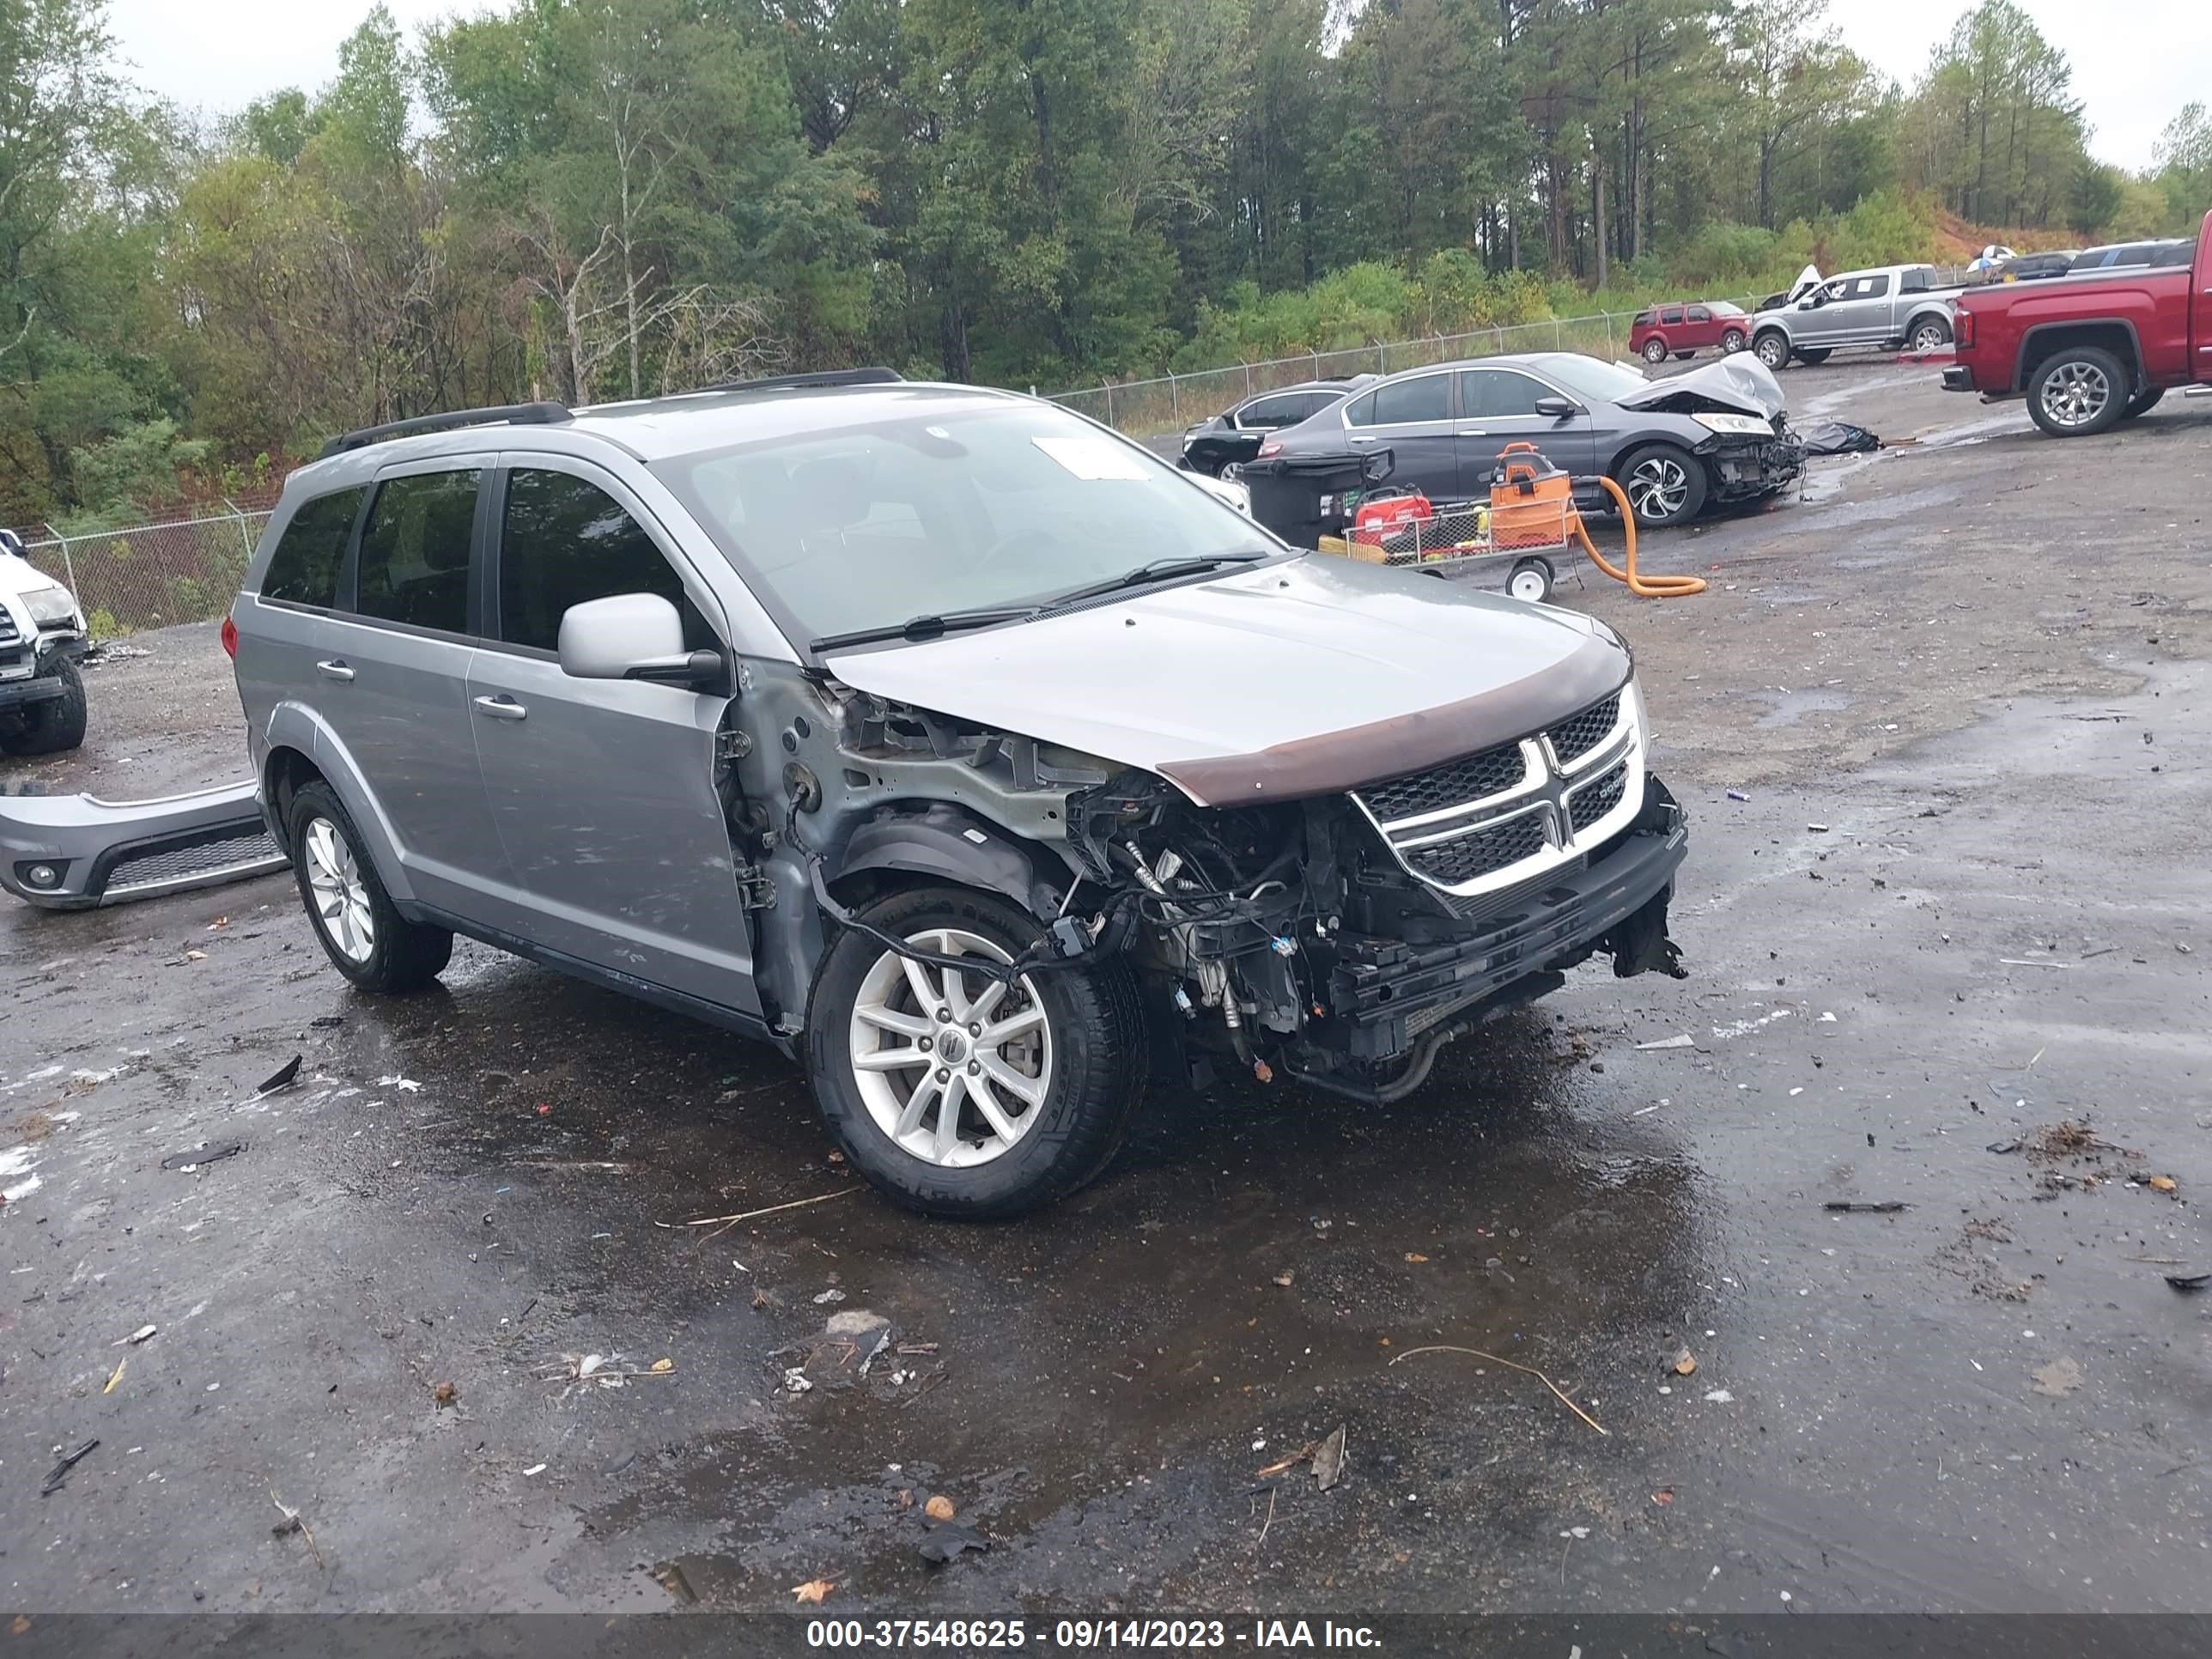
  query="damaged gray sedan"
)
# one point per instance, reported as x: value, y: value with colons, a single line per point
x: 960, y: 748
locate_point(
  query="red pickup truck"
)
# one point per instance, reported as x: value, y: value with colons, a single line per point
x: 2088, y: 352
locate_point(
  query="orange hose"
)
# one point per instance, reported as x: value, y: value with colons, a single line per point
x: 1648, y: 587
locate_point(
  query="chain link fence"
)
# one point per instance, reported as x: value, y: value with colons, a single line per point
x: 1170, y: 402
x: 153, y: 575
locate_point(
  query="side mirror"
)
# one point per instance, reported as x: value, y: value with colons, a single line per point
x: 632, y: 636
x: 1559, y: 409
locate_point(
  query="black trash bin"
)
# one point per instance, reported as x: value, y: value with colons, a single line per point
x: 1302, y: 498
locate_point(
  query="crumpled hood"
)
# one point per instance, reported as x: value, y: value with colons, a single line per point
x: 1297, y: 678
x: 1740, y: 379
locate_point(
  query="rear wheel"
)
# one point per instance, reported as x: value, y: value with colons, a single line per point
x: 1929, y: 334
x: 1664, y: 484
x: 1531, y: 580
x: 1772, y: 349
x: 56, y: 725
x: 1655, y: 351
x: 961, y: 1095
x: 361, y: 931
x: 2142, y: 403
x: 2078, y: 392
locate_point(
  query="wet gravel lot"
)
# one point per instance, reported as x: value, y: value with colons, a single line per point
x: 1963, y: 687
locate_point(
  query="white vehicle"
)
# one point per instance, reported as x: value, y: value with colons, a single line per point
x: 42, y: 633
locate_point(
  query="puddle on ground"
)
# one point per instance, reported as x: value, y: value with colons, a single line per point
x: 1787, y: 708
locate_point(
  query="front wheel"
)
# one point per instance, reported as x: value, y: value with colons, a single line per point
x: 963, y: 1094
x: 2078, y: 392
x: 361, y: 931
x: 55, y: 725
x: 1772, y: 349
x: 1664, y: 484
x: 1732, y: 342
x: 1655, y: 352
x: 2142, y: 403
x: 1929, y: 334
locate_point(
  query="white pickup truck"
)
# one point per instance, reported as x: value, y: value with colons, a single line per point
x: 1890, y: 307
x: 42, y: 633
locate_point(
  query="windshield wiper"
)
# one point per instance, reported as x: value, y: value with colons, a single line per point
x: 1159, y: 570
x: 928, y: 627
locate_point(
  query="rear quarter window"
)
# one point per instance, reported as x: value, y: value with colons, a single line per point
x: 310, y: 554
x: 414, y: 562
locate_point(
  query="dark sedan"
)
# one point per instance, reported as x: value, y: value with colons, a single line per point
x: 1716, y: 434
x: 1233, y: 437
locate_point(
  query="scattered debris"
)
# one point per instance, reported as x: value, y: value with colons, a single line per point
x: 327, y: 1022
x: 832, y: 1294
x: 445, y: 1394
x: 2189, y: 1281
x: 938, y: 1508
x: 2057, y: 1379
x: 2003, y: 1146
x: 944, y: 1541
x: 115, y: 1376
x: 1511, y: 1365
x: 406, y: 1085
x: 2031, y: 962
x: 57, y: 1476
x: 670, y: 1576
x: 1415, y: 1256
x: 1684, y: 1040
x: 1719, y: 1397
x: 580, y: 1371
x: 1329, y: 1457
x: 1817, y: 828
x: 1686, y: 1364
x: 796, y: 1380
x: 814, y: 1589
x: 1737, y: 794
x: 1304, y: 1454
x: 1663, y: 1497
x: 136, y: 1337
x: 2162, y: 1184
x: 535, y: 1469
x: 732, y: 1220
x: 204, y: 1153
x: 285, y: 1076
x: 1888, y: 1207
x: 1835, y: 438
x: 292, y: 1524
x: 1283, y: 1280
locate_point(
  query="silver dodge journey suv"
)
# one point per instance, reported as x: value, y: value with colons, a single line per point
x: 960, y: 748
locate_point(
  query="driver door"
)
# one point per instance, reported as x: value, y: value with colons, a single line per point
x: 1821, y: 316
x: 603, y: 792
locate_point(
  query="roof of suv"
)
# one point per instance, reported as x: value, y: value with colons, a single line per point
x: 653, y: 429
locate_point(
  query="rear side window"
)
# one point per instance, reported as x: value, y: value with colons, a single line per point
x: 304, y: 568
x: 1270, y: 412
x: 1360, y: 411
x: 1643, y: 320
x: 415, y: 551
x: 1425, y: 397
x: 1913, y: 282
x: 1671, y: 314
x: 564, y: 541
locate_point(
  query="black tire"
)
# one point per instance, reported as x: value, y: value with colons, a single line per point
x: 1928, y: 334
x: 1684, y: 356
x: 1655, y: 351
x: 1675, y: 491
x: 403, y: 955
x: 2142, y: 403
x: 2078, y: 392
x: 1733, y: 341
x: 1811, y: 355
x: 1096, y: 1027
x: 1771, y: 347
x: 56, y: 725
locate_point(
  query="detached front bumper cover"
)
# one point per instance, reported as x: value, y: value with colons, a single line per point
x: 76, y: 852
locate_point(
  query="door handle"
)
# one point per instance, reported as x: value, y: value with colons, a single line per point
x: 334, y: 669
x: 502, y: 707
x: 1362, y: 441
x: 1473, y: 432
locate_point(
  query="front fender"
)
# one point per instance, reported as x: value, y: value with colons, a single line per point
x: 950, y: 845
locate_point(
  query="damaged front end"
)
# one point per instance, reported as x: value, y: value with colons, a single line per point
x: 1342, y: 938
x: 1750, y: 451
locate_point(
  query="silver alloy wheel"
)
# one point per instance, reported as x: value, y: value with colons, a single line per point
x: 1658, y: 488
x: 953, y: 1079
x: 341, y: 895
x: 1732, y: 342
x: 1928, y: 336
x: 1655, y: 351
x: 1773, y: 351
x: 2075, y: 394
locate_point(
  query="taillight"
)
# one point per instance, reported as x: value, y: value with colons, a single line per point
x: 1272, y: 447
x: 230, y: 638
x: 1962, y: 329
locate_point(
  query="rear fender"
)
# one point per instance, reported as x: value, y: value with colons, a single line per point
x: 295, y: 725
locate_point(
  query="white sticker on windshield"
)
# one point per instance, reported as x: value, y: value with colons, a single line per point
x: 1094, y: 459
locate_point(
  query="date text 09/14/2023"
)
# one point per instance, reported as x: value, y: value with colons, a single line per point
x: 1168, y: 1634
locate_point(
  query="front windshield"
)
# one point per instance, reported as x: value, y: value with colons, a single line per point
x: 1000, y: 505
x: 1593, y: 381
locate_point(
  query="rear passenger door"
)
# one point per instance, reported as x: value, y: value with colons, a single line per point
x: 391, y: 680
x: 602, y: 791
x: 1413, y: 418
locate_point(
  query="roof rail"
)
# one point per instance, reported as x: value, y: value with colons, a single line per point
x: 538, y: 414
x: 817, y: 377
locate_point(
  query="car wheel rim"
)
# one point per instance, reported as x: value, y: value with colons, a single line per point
x: 1770, y: 353
x: 1658, y: 488
x: 2075, y: 394
x: 1927, y: 339
x: 1655, y: 353
x: 953, y: 1067
x: 1731, y: 343
x: 341, y: 896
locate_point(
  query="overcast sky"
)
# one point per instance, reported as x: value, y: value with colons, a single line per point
x: 2136, y: 62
